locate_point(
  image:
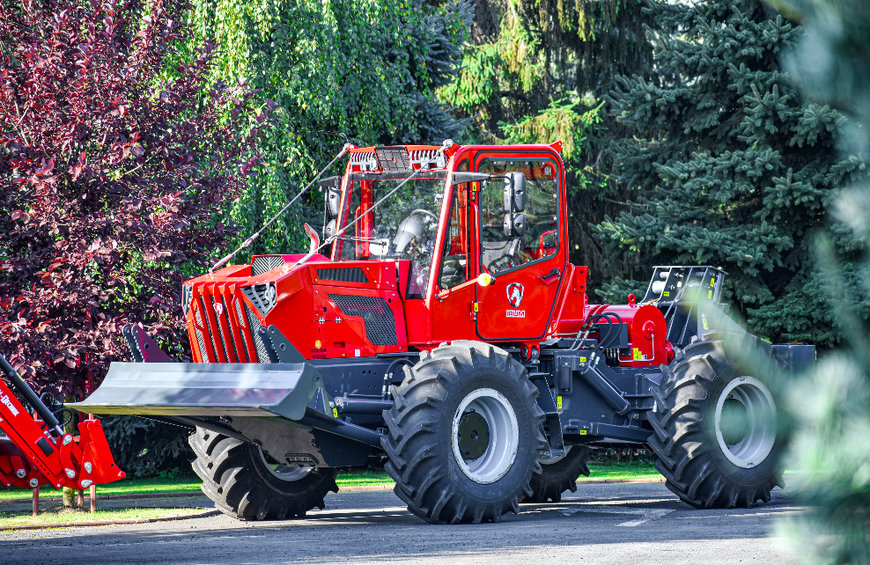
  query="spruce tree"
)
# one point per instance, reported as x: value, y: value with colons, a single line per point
x: 728, y: 165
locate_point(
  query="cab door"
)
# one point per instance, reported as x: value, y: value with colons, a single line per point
x: 525, y: 256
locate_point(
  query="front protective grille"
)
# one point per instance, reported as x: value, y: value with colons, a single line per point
x: 265, y: 263
x: 377, y: 315
x: 343, y: 274
x: 209, y: 329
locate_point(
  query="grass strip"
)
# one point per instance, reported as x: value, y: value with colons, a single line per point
x: 165, y: 485
x: 64, y: 516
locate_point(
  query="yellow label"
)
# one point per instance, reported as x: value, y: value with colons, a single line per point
x: 583, y: 432
x: 335, y: 412
x: 666, y: 293
x: 476, y: 306
x: 558, y: 403
x: 704, y: 323
x: 712, y: 282
x: 582, y: 359
x: 635, y: 353
x: 710, y: 295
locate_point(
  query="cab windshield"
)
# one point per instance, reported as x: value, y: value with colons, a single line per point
x: 404, y: 226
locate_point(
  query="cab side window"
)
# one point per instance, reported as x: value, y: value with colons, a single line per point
x: 507, y: 244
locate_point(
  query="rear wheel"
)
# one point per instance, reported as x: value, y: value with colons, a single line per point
x: 245, y: 483
x: 559, y: 475
x: 715, y: 431
x: 464, y: 434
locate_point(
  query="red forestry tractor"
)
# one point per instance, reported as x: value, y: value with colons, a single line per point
x: 441, y: 325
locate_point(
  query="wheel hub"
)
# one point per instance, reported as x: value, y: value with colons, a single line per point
x: 745, y: 422
x: 473, y: 435
x: 485, y: 435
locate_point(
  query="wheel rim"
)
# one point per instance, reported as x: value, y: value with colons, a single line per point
x: 485, y: 435
x: 745, y: 422
x: 288, y: 473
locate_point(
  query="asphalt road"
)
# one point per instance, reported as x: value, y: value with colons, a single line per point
x: 601, y: 523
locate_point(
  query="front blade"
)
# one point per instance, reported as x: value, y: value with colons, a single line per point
x: 205, y: 389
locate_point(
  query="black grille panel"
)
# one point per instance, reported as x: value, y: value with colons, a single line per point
x: 199, y: 338
x: 344, y: 274
x: 266, y: 263
x: 243, y: 328
x: 254, y: 325
x: 377, y: 315
x: 263, y: 296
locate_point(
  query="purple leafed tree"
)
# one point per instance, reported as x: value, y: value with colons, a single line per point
x: 118, y: 156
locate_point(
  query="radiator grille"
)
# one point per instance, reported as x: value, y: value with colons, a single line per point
x: 266, y: 263
x: 343, y: 274
x: 377, y: 315
x: 244, y: 328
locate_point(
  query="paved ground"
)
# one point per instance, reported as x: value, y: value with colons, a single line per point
x: 602, y: 523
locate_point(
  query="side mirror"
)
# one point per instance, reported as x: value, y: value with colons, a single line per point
x: 514, y: 192
x: 332, y: 185
x: 333, y: 201
x: 329, y: 230
x: 514, y: 225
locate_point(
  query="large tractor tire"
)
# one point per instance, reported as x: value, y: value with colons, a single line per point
x: 715, y: 431
x: 238, y: 477
x: 559, y: 475
x: 464, y: 435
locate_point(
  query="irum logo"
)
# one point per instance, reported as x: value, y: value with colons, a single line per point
x: 515, y: 294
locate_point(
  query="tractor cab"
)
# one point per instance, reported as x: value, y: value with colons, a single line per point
x: 481, y: 228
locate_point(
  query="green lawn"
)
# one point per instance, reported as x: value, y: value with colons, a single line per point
x: 598, y: 471
x: 631, y: 470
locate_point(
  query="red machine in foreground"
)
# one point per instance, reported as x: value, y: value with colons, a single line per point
x: 38, y: 452
x: 441, y: 326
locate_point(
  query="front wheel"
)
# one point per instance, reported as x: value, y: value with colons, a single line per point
x: 464, y: 434
x: 245, y: 483
x: 715, y: 431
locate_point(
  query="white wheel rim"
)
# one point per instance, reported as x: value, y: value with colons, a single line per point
x: 745, y: 422
x: 500, y: 451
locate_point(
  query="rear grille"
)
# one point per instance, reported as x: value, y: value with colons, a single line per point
x: 343, y: 274
x: 265, y: 263
x: 377, y: 315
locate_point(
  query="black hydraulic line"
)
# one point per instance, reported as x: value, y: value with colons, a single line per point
x: 24, y: 390
x: 587, y: 327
